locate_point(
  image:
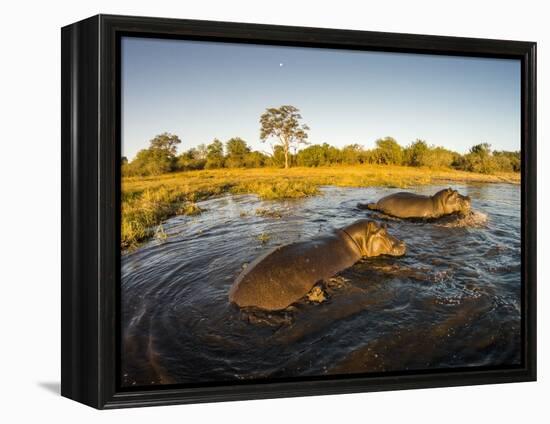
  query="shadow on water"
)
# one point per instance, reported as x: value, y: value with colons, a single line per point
x: 452, y: 301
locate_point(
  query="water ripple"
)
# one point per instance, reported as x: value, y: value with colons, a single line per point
x: 452, y: 301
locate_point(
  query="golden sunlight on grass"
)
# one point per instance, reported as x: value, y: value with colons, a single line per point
x: 147, y: 201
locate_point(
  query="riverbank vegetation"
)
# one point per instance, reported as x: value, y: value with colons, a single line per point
x: 159, y: 182
x: 161, y: 158
x: 149, y: 200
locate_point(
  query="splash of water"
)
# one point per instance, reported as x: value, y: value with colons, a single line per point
x: 473, y: 219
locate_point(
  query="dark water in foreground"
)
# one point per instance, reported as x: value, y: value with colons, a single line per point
x: 452, y: 301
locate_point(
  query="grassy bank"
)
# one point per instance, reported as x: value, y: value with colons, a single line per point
x: 147, y: 201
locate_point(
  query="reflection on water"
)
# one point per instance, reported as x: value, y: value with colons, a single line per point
x: 452, y: 301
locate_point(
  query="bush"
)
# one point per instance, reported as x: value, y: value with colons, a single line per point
x: 191, y: 160
x: 278, y: 158
x: 508, y: 161
x: 388, y: 152
x: 414, y: 154
x: 150, y: 162
x: 237, y: 150
x: 255, y: 160
x: 354, y: 154
x: 160, y: 157
x: 214, y: 155
x: 480, y: 159
x: 438, y: 157
x: 319, y: 155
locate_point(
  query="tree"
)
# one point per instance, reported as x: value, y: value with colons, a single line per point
x: 237, y: 150
x: 255, y: 160
x: 166, y: 142
x: 478, y: 159
x: 319, y: 155
x: 191, y: 160
x: 438, y: 157
x: 353, y: 154
x: 124, y: 167
x: 311, y: 156
x: 278, y: 157
x: 508, y: 161
x: 158, y: 158
x: 388, y: 151
x: 482, y: 149
x: 202, y: 151
x: 414, y: 155
x: 419, y: 153
x: 283, y: 123
x: 214, y: 155
x: 151, y: 162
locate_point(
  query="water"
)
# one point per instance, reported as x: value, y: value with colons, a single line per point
x: 452, y: 301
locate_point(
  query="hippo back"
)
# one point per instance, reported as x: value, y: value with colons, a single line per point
x: 407, y: 205
x: 287, y: 273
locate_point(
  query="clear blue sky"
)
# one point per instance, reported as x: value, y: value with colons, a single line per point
x: 204, y: 90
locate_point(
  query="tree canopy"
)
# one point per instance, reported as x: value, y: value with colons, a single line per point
x: 237, y: 151
x: 158, y: 158
x: 388, y: 151
x: 283, y: 124
x: 214, y: 155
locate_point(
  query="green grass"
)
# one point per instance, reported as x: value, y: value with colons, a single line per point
x: 148, y: 201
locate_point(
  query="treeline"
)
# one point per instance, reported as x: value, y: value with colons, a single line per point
x: 161, y: 156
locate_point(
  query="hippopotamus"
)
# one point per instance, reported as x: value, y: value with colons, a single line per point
x: 411, y: 205
x: 287, y: 273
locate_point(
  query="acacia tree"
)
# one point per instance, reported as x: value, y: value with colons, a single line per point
x: 283, y: 124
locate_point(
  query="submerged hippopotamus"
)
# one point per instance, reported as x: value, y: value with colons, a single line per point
x: 287, y: 273
x: 411, y: 205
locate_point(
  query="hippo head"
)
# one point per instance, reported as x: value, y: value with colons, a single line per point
x: 452, y: 201
x: 374, y: 240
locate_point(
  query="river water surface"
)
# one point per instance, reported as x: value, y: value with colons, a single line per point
x: 452, y: 301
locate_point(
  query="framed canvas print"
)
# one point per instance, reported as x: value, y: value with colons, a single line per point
x: 253, y: 211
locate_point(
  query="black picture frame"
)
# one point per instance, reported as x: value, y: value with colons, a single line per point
x: 90, y: 179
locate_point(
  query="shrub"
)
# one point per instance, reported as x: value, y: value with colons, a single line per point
x: 150, y: 162
x: 191, y: 160
x: 255, y: 160
x: 388, y: 151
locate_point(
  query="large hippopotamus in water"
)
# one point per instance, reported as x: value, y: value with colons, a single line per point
x: 411, y: 205
x: 287, y: 273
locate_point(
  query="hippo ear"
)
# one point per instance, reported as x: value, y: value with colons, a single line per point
x: 372, y: 228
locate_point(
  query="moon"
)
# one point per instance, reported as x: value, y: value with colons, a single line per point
x: 281, y: 64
